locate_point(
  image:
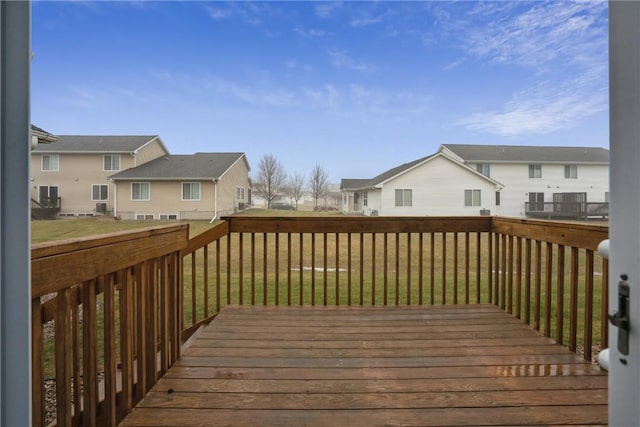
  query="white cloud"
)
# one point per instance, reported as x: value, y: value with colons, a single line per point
x: 563, y: 43
x: 542, y: 109
x: 363, y: 22
x: 326, y: 10
x: 217, y: 13
x: 546, y: 32
x: 341, y: 59
x: 310, y: 33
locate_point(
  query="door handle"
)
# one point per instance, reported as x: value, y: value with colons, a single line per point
x: 620, y: 318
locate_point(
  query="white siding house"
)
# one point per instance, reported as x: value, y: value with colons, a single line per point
x: 535, y: 181
x: 434, y: 185
x: 546, y: 182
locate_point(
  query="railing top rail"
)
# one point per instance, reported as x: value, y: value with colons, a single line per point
x: 91, y: 257
x: 59, y: 247
x: 568, y: 233
x: 379, y: 224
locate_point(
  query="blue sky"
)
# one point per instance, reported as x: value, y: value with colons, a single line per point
x: 357, y: 87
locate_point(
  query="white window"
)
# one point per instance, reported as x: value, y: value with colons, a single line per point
x: 144, y: 217
x: 190, y: 191
x: 99, y: 192
x: 403, y: 197
x: 571, y: 171
x: 140, y: 191
x: 167, y: 217
x: 365, y: 199
x: 50, y: 163
x: 472, y: 197
x: 239, y: 193
x: 484, y: 168
x: 112, y: 162
x: 535, y: 170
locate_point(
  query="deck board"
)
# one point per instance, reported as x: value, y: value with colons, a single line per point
x: 367, y: 366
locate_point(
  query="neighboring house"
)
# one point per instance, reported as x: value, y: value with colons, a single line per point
x: 41, y: 136
x: 184, y: 187
x: 433, y: 185
x: 73, y: 171
x: 544, y: 182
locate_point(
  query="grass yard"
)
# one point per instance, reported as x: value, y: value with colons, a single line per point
x: 61, y: 229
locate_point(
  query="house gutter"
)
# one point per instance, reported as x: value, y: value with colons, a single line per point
x: 215, y: 200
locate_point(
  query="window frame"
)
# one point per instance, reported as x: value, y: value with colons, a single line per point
x: 111, y: 169
x: 535, y: 169
x: 50, y: 157
x: 190, y: 184
x: 469, y: 196
x: 403, y: 192
x: 571, y: 171
x: 93, y: 199
x: 484, y: 169
x: 365, y: 198
x: 160, y: 217
x: 145, y: 217
x: 140, y: 183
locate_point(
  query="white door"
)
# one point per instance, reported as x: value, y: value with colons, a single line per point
x: 624, y: 236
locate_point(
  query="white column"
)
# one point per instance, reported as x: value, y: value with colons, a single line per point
x: 624, y: 236
x: 15, y: 246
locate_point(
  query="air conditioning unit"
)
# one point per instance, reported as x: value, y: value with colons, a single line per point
x: 101, y: 207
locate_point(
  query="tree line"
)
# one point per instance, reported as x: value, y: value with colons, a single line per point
x: 272, y: 181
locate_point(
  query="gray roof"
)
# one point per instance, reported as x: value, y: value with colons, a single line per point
x: 96, y: 144
x: 198, y: 166
x: 358, y: 184
x: 528, y: 154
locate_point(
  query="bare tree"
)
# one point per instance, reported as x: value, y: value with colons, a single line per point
x: 318, y: 183
x: 270, y: 178
x: 295, y: 186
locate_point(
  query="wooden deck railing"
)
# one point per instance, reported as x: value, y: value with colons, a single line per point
x: 122, y: 304
x: 545, y: 273
x: 106, y: 322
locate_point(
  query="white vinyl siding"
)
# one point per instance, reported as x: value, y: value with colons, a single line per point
x: 404, y: 197
x: 112, y: 162
x: 472, y: 197
x: 140, y: 191
x: 99, y: 192
x: 190, y: 191
x: 50, y: 163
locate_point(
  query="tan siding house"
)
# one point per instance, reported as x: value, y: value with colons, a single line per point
x: 184, y: 187
x: 75, y: 169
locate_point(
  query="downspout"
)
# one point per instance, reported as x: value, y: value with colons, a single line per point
x: 115, y: 198
x: 215, y: 200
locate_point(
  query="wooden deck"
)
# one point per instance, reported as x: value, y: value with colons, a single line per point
x: 366, y: 366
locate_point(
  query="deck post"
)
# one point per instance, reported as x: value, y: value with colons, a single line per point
x: 624, y: 89
x: 15, y: 283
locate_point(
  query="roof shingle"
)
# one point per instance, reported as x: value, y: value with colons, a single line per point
x: 182, y: 166
x: 96, y: 143
x: 527, y: 154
